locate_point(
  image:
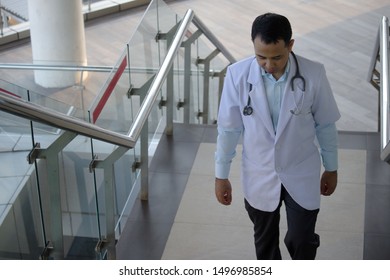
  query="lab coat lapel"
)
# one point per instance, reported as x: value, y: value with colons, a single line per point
x: 288, y: 102
x: 259, y: 97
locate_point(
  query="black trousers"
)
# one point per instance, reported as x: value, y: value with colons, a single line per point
x: 301, y: 240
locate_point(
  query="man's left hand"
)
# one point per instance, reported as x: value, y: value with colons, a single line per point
x: 328, y: 182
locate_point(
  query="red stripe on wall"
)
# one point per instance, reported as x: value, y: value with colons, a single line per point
x: 109, y: 89
x: 10, y: 93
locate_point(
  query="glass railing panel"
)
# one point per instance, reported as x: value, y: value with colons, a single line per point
x: 156, y: 128
x: 21, y: 225
x: 14, y: 133
x: 67, y: 100
x: 21, y: 228
x: 15, y: 128
x: 204, y: 57
x: 217, y: 74
x: 126, y: 189
x: 79, y: 95
x: 80, y: 225
x: 159, y: 22
x: 120, y: 99
x: 111, y: 108
x: 79, y: 200
x: 13, y: 89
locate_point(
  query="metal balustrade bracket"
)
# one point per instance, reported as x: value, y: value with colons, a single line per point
x: 34, y: 153
x: 180, y: 104
x: 131, y: 91
x: 160, y: 36
x: 143, y: 90
x: 136, y: 165
x: 170, y: 33
x: 375, y: 80
x: 135, y: 92
x: 208, y: 58
x: 191, y: 37
x: 78, y: 87
x: 199, y: 61
x: 46, y: 251
x: 162, y: 103
x: 93, y: 164
x: 216, y: 74
x: 101, y: 245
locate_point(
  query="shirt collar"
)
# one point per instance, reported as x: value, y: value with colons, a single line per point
x: 270, y: 77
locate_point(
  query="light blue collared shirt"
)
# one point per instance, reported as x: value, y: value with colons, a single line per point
x: 275, y: 89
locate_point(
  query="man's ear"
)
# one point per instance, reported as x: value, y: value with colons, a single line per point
x: 290, y: 45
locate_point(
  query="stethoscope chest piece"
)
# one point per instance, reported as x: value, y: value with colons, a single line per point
x: 248, y: 110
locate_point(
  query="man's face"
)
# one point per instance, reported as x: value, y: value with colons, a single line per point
x: 272, y: 57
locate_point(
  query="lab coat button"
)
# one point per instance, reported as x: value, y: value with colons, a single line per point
x: 278, y: 169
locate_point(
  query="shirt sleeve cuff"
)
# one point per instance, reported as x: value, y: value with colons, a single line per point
x: 330, y: 161
x: 222, y: 170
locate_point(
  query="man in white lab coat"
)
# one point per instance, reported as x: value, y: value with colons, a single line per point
x: 283, y: 108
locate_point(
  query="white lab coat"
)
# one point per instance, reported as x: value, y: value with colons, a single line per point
x: 289, y: 156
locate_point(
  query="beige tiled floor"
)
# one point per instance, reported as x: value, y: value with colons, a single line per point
x: 204, y: 229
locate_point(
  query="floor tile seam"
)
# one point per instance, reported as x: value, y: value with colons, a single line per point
x: 324, y: 230
x: 179, y: 222
x: 319, y: 229
x: 13, y: 176
x: 348, y: 182
x: 204, y: 174
x: 377, y: 184
x: 167, y: 222
x: 379, y: 234
x: 172, y: 172
x: 196, y: 173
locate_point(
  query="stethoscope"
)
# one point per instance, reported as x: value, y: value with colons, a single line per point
x: 248, y: 109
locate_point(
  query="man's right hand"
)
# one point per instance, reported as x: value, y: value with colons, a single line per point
x: 223, y: 191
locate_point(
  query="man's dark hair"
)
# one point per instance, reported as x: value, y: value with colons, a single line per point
x: 271, y: 28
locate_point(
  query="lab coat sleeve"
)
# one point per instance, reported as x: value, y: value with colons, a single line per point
x: 229, y: 127
x: 226, y: 150
x: 229, y: 114
x: 326, y: 113
x: 325, y: 110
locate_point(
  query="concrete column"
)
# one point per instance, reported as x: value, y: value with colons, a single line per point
x: 57, y: 38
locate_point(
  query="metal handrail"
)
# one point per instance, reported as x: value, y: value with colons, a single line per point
x: 35, y: 112
x: 384, y: 89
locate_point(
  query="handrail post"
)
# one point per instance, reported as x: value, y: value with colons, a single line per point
x: 206, y: 84
x: 109, y: 189
x: 54, y: 209
x: 170, y: 89
x: 144, y: 166
x: 187, y: 74
x: 384, y: 89
x: 1, y: 20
